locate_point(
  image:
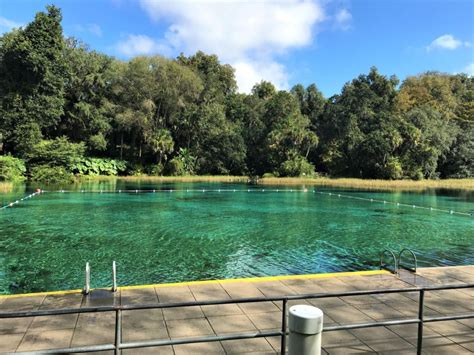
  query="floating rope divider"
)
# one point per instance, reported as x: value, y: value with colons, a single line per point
x: 11, y: 204
x: 304, y: 190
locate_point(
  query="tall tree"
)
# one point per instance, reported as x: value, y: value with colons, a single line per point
x: 32, y: 73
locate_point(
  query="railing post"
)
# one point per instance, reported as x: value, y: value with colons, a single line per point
x: 420, y: 324
x: 118, y: 331
x: 87, y: 287
x: 114, y: 277
x: 306, y: 325
x: 283, y: 327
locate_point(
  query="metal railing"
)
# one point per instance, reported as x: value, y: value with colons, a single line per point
x: 119, y: 345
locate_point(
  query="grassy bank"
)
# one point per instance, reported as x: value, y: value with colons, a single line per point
x: 466, y: 184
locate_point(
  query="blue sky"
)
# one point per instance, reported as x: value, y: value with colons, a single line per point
x: 326, y: 42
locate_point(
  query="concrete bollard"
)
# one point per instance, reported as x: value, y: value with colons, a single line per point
x: 305, y: 325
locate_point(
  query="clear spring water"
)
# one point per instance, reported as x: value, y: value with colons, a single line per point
x: 175, y: 236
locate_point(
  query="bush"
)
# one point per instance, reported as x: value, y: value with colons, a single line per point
x: 51, y: 174
x: 155, y: 170
x: 297, y: 166
x: 98, y: 166
x: 11, y: 168
x: 175, y: 167
x: 393, y: 169
x: 56, y: 152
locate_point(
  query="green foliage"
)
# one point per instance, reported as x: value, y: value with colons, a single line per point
x: 56, y: 152
x: 11, y: 168
x: 32, y: 71
x: 175, y: 167
x: 98, y: 166
x: 51, y: 174
x: 62, y: 104
x: 296, y: 165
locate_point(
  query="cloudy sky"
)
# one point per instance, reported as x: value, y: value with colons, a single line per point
x: 326, y: 42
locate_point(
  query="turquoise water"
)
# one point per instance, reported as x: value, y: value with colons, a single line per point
x: 184, y: 235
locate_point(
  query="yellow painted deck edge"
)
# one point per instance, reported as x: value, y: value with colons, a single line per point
x: 206, y: 282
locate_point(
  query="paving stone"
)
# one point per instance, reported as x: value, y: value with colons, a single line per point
x: 231, y: 324
x: 73, y: 300
x: 381, y: 312
x: 141, y: 318
x: 18, y: 304
x: 242, y: 290
x: 14, y: 325
x: 9, y: 342
x: 373, y: 333
x: 266, y: 321
x: 246, y: 346
x: 346, y: 314
x: 258, y: 307
x: 188, y: 328
x: 139, y: 296
x: 46, y: 323
x: 183, y: 313
x: 396, y: 345
x: 93, y: 335
x: 199, y: 348
x: 221, y: 310
x: 339, y: 338
x: 465, y: 340
x: 46, y: 340
x: 155, y: 331
x: 93, y: 319
x: 155, y: 350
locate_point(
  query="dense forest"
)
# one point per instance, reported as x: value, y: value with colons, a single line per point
x: 67, y: 110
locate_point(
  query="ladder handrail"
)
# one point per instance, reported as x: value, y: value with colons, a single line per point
x: 383, y: 266
x: 414, y: 260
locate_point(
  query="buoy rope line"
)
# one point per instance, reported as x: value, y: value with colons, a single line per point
x: 332, y: 194
x: 16, y: 202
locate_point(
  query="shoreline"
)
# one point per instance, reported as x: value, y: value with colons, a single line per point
x: 370, y: 184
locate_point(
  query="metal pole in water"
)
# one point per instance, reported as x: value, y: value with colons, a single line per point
x: 114, y: 277
x: 87, y: 288
x: 306, y: 325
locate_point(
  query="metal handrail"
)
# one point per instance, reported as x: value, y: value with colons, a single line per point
x: 415, y: 262
x: 384, y: 266
x: 118, y: 344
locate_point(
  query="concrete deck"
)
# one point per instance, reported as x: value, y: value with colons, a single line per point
x: 451, y: 337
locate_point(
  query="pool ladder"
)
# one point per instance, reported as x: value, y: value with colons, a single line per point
x: 397, y: 261
x: 87, y: 287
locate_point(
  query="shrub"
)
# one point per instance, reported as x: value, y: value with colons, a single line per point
x: 297, y: 166
x: 51, y: 174
x: 11, y: 168
x: 156, y: 169
x: 98, y: 166
x: 56, y: 152
x: 175, y: 167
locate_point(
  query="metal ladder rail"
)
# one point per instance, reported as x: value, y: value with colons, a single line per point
x: 384, y: 266
x: 415, y: 262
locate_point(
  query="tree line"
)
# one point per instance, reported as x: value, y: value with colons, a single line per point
x: 66, y: 109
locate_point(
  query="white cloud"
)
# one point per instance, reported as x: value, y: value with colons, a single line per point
x: 91, y: 28
x: 250, y: 35
x: 7, y: 25
x: 343, y: 19
x: 469, y: 69
x: 141, y: 45
x: 247, y: 73
x: 448, y: 42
